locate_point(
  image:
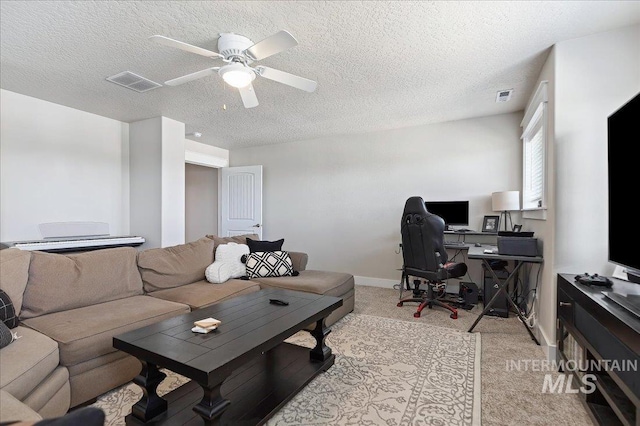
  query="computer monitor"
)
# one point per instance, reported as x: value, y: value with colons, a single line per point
x: 454, y: 213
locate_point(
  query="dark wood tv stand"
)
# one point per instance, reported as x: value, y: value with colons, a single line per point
x: 590, y: 327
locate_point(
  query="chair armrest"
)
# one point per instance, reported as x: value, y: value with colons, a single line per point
x: 299, y: 260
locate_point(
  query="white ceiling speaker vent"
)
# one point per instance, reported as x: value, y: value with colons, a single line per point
x: 133, y: 81
x: 504, y: 95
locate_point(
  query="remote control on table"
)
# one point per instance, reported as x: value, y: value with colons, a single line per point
x: 594, y: 279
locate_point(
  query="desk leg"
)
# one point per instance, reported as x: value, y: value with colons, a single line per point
x: 517, y: 309
x: 503, y: 288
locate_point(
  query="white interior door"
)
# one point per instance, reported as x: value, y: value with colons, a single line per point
x: 240, y: 201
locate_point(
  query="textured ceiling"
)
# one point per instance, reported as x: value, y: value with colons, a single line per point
x: 379, y: 65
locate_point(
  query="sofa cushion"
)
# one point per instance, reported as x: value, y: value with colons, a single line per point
x: 59, y: 282
x: 86, y: 333
x: 14, y: 273
x: 170, y: 267
x: 263, y: 245
x: 228, y: 263
x: 203, y: 293
x: 13, y: 410
x: 26, y: 362
x: 52, y: 396
x: 318, y: 282
x: 262, y: 264
x: 240, y: 239
x: 299, y: 260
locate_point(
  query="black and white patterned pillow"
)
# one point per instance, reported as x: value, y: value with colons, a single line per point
x: 6, y: 336
x: 7, y: 311
x: 262, y: 264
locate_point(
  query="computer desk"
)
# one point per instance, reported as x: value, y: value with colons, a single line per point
x: 478, y: 253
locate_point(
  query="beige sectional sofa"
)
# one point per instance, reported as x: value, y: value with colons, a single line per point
x: 71, y: 306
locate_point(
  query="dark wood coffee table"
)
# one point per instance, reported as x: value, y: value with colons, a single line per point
x: 243, y: 372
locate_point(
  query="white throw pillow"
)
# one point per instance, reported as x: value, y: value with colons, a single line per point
x: 228, y: 263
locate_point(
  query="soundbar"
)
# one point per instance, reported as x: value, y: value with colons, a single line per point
x: 75, y: 244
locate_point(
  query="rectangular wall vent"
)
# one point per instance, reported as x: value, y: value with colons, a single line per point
x: 504, y: 95
x: 133, y: 81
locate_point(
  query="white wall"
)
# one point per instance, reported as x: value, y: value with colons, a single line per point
x: 173, y: 187
x: 146, y: 182
x: 157, y: 181
x: 205, y: 155
x: 340, y: 199
x: 545, y: 298
x: 201, y: 201
x: 60, y: 164
x: 595, y: 75
x: 589, y: 78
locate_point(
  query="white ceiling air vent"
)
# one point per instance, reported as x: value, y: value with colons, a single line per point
x: 133, y: 81
x: 504, y: 95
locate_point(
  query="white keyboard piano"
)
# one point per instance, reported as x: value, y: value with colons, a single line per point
x: 75, y: 244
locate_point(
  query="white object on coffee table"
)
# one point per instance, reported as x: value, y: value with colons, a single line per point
x: 197, y: 329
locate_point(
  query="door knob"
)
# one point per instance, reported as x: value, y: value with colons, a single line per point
x: 257, y: 225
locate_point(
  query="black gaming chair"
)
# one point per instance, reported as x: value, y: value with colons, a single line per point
x: 425, y: 256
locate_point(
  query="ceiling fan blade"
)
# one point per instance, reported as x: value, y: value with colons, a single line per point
x: 248, y: 96
x: 271, y: 45
x: 184, y: 46
x: 288, y: 79
x: 192, y: 76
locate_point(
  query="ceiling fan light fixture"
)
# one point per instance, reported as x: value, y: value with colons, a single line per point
x: 237, y: 75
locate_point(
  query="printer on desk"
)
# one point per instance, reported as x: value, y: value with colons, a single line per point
x: 517, y: 243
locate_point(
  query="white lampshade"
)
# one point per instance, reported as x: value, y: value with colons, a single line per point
x: 505, y: 201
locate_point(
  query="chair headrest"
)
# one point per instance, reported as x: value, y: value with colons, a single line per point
x: 415, y: 205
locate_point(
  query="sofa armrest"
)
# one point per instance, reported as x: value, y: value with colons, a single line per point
x: 299, y: 260
x: 14, y: 410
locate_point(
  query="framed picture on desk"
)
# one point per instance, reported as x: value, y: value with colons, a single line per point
x: 491, y: 224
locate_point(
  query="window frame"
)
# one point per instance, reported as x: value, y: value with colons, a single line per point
x: 535, y: 122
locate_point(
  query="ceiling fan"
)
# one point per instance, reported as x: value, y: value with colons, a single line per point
x: 239, y: 52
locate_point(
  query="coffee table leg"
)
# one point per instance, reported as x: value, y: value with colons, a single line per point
x: 212, y: 405
x: 321, y: 352
x: 150, y: 405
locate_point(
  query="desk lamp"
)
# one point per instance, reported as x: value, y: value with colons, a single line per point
x: 505, y: 202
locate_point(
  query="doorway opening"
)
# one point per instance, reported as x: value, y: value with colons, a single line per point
x: 201, y: 201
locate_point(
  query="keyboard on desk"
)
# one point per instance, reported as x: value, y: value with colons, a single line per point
x: 455, y: 243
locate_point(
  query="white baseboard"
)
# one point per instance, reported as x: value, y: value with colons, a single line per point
x: 549, y: 348
x: 375, y: 282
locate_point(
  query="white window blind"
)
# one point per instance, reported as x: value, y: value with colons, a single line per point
x: 534, y: 147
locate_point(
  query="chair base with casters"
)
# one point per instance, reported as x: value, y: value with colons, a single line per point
x: 426, y: 301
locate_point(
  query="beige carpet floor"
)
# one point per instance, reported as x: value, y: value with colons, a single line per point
x: 508, y: 398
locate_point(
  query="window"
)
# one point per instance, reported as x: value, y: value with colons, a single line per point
x: 534, y: 140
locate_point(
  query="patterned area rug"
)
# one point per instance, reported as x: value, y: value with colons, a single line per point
x: 387, y: 372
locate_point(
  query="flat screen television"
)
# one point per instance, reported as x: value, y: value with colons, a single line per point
x: 454, y: 213
x: 624, y: 180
